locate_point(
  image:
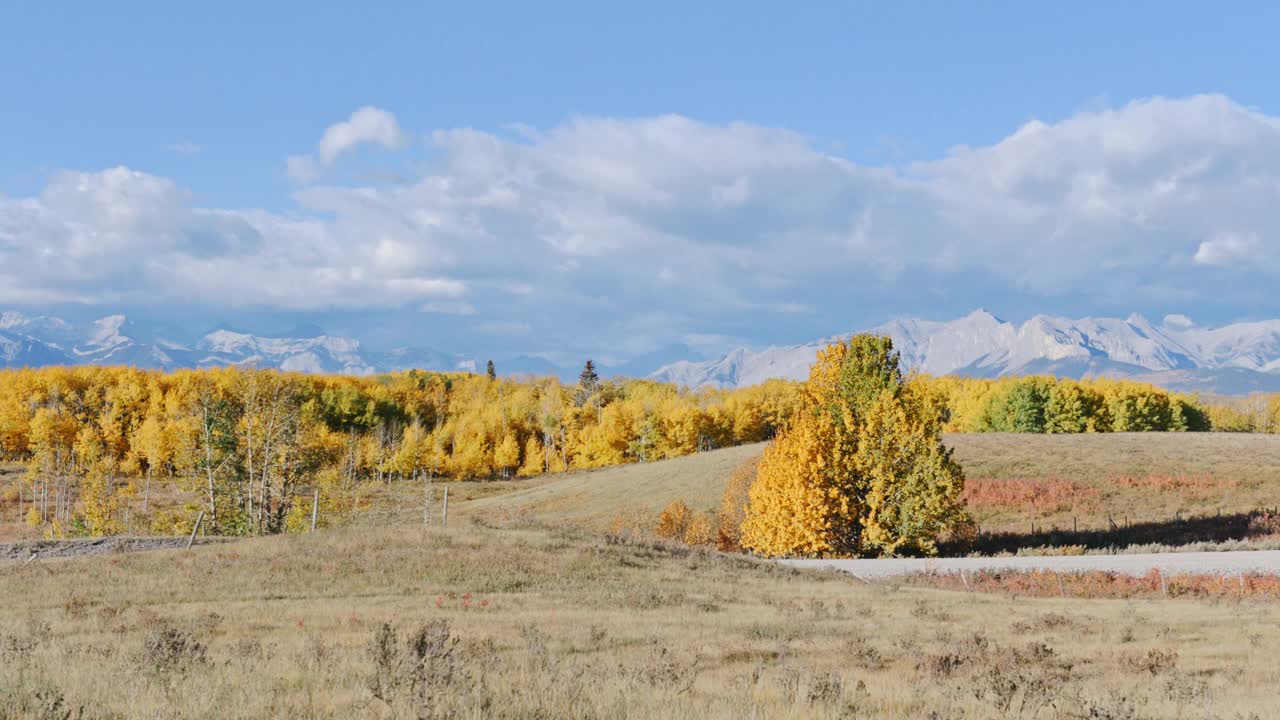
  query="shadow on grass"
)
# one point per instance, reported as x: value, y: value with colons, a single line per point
x: 1178, y: 531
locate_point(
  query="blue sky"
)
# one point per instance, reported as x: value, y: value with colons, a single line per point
x: 588, y: 178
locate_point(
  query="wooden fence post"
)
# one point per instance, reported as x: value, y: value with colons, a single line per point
x: 426, y: 506
x: 444, y: 515
x: 194, y: 528
x: 315, y: 509
x: 1061, y: 591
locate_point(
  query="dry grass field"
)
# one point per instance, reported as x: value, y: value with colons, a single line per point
x: 1146, y: 476
x: 529, y: 622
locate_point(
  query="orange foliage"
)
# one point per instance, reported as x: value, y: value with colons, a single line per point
x: 674, y: 521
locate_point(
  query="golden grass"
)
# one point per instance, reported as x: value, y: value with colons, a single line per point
x: 561, y: 623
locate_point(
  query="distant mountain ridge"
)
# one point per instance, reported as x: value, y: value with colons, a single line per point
x: 1176, y: 353
x: 1232, y: 359
x: 33, y: 341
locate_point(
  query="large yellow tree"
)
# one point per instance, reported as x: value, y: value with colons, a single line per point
x: 861, y: 470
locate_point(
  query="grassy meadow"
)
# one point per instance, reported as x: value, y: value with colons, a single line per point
x: 525, y: 621
x: 1145, y: 476
x: 526, y: 606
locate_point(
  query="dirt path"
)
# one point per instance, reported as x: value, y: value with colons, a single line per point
x: 1200, y: 563
x: 45, y: 549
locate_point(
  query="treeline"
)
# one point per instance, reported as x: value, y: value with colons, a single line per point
x: 1258, y: 413
x: 1044, y: 404
x: 97, y: 442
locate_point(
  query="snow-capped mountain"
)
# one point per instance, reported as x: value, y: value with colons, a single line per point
x: 314, y: 354
x: 1177, y: 353
x: 1238, y: 358
x: 27, y: 341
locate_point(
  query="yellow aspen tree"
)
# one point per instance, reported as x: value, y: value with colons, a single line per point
x: 99, y: 495
x: 506, y: 455
x: 152, y: 442
x: 804, y: 500
x: 533, y: 458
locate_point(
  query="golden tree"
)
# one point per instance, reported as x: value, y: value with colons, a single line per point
x: 506, y: 455
x: 862, y: 469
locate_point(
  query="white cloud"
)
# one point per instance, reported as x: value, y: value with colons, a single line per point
x: 120, y: 235
x: 1229, y: 249
x: 637, y: 232
x: 366, y: 126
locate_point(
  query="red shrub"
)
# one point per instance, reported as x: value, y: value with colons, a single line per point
x: 1042, y: 495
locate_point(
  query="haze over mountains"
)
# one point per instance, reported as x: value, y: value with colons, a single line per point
x: 1177, y: 353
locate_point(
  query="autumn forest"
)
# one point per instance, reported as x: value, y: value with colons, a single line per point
x: 249, y: 447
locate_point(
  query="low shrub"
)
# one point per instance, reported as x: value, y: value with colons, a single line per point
x: 1042, y: 495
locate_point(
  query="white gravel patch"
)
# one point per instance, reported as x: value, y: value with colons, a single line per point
x: 1199, y: 563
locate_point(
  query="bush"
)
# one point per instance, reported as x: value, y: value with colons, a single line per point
x: 674, y: 521
x: 699, y: 530
x: 733, y: 507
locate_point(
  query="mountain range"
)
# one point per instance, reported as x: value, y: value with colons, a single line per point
x: 113, y: 340
x: 1176, y: 353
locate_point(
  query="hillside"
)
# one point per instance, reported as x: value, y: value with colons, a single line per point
x: 593, y: 498
x: 1018, y: 481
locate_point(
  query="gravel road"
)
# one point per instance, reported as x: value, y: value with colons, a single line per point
x: 1201, y: 563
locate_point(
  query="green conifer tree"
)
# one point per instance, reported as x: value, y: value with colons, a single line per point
x: 588, y: 384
